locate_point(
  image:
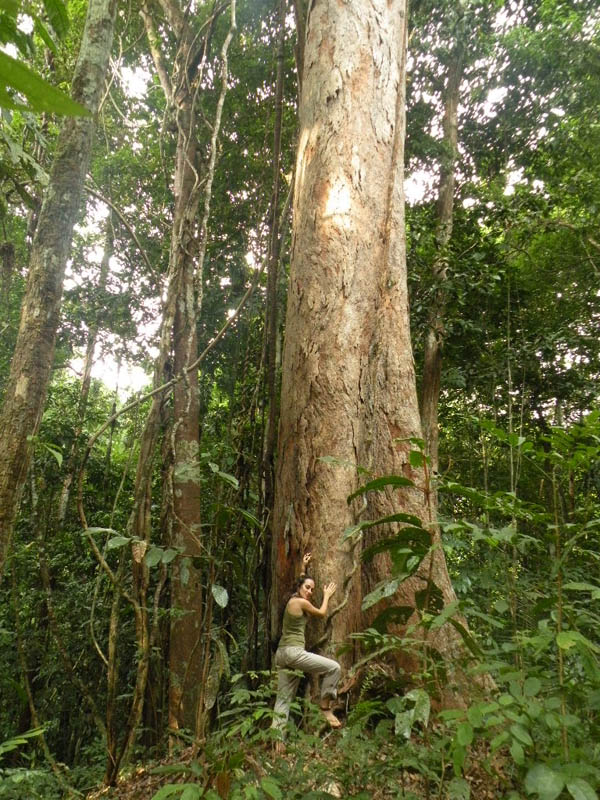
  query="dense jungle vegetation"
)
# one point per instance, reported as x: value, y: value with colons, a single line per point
x: 151, y: 518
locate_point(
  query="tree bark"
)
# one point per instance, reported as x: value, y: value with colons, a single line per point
x: 434, y: 339
x: 32, y: 361
x: 348, y: 385
x: 186, y: 260
x: 185, y: 664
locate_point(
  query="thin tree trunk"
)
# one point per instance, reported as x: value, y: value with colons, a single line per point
x: 32, y: 360
x: 86, y: 379
x: 185, y: 666
x: 272, y: 281
x: 271, y: 336
x: 7, y: 256
x: 434, y: 340
x: 188, y: 247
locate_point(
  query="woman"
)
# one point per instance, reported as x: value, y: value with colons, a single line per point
x: 292, y: 654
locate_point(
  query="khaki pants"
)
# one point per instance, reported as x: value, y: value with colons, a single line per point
x: 296, y: 658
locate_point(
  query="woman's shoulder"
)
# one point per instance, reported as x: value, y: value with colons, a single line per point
x: 294, y: 607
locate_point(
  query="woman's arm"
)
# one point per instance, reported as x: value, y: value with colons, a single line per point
x: 301, y: 604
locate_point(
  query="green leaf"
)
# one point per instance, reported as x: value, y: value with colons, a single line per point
x: 581, y: 790
x: 116, y: 541
x: 381, y: 591
x: 403, y: 724
x: 567, y: 639
x: 531, y: 687
x: 544, y: 782
x: 191, y: 792
x: 459, y: 754
x: 422, y: 707
x: 416, y: 458
x: 475, y: 716
x: 580, y: 586
x: 443, y: 617
x: 459, y: 789
x: 517, y: 752
x: 153, y: 556
x: 464, y: 734
x: 248, y: 517
x: 369, y: 523
x: 6, y: 101
x: 42, y: 32
x: 506, y: 700
x: 55, y: 452
x: 220, y: 594
x: 230, y: 479
x: 167, y: 791
x: 17, y: 741
x: 466, y: 637
x: 499, y: 740
x: 271, y: 788
x: 58, y: 16
x: 381, y: 483
x: 169, y: 555
x: 10, y: 6
x: 520, y: 733
x: 407, y: 543
x: 40, y: 94
x: 396, y: 615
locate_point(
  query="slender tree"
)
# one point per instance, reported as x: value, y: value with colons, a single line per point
x: 32, y: 360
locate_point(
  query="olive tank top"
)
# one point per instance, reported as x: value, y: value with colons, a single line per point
x: 293, y: 630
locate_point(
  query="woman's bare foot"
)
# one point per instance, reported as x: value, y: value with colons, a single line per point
x: 331, y: 718
x: 279, y: 748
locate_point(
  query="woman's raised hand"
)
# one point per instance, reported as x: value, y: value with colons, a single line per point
x: 330, y: 589
x: 305, y: 559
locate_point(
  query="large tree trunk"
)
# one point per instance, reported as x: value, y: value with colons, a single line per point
x: 348, y: 387
x: 32, y: 361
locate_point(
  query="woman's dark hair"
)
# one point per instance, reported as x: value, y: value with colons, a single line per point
x: 300, y: 581
x: 297, y: 586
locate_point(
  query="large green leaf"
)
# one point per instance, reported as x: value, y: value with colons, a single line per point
x: 153, y: 556
x: 11, y: 7
x: 17, y: 741
x: 581, y: 790
x: 44, y: 34
x: 381, y: 591
x: 58, y: 16
x: 381, y: 483
x: 544, y: 782
x: 40, y: 94
x: 370, y: 523
x: 406, y: 542
x: 459, y: 789
x: 567, y: 639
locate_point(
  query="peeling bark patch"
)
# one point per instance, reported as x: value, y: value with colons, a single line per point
x: 21, y: 386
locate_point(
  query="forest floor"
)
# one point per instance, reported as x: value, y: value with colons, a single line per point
x: 263, y: 768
